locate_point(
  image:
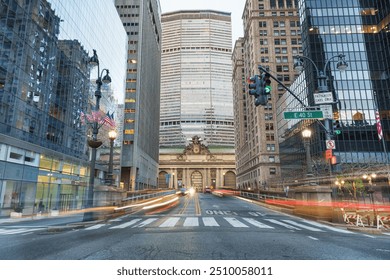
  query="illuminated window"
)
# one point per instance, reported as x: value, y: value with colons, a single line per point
x: 130, y: 121
x: 129, y: 131
x: 129, y: 110
x: 130, y: 100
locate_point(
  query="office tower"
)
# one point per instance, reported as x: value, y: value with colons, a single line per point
x: 271, y: 39
x: 44, y: 86
x: 140, y: 152
x: 196, y: 91
x: 360, y: 31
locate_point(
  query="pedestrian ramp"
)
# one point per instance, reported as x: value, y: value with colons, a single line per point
x: 219, y: 222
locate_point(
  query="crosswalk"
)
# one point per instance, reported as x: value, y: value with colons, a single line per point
x: 221, y: 222
x: 180, y: 222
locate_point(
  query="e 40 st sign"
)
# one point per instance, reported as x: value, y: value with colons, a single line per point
x: 303, y: 115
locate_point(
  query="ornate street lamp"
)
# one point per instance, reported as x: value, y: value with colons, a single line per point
x: 112, y: 136
x: 94, y: 143
x: 322, y: 78
x: 306, y: 134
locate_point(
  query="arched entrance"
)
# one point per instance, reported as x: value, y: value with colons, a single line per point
x: 230, y: 180
x: 197, y: 181
x: 163, y: 180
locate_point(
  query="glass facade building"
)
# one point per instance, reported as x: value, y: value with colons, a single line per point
x: 44, y: 86
x: 196, y: 74
x: 360, y: 30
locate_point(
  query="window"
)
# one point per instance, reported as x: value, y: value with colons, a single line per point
x: 271, y: 158
x: 269, y: 137
x: 271, y: 147
x: 269, y: 126
x: 272, y: 171
x: 268, y: 116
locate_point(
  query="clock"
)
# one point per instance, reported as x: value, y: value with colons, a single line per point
x: 196, y: 149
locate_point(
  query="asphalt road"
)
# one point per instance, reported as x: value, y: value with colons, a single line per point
x: 198, y: 227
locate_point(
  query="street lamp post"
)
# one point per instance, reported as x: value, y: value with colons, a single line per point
x: 370, y: 192
x: 306, y: 134
x: 322, y: 78
x: 112, y: 136
x: 94, y: 143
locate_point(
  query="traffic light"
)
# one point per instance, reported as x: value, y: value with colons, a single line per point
x: 254, y: 85
x: 267, y: 84
x: 336, y: 127
x: 260, y: 88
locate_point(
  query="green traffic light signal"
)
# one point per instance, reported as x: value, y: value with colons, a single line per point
x: 337, y: 132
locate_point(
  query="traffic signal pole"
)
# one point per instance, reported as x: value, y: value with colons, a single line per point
x: 325, y: 127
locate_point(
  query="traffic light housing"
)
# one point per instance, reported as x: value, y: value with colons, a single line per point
x: 336, y: 127
x: 260, y: 88
x: 254, y: 85
x: 267, y: 84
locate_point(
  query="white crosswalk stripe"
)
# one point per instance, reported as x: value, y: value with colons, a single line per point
x: 95, y: 227
x: 125, y: 225
x: 171, y: 222
x: 282, y: 224
x: 191, y: 222
x: 256, y: 223
x: 302, y: 226
x: 328, y: 227
x: 210, y: 222
x: 145, y: 223
x: 235, y: 223
x: 18, y: 231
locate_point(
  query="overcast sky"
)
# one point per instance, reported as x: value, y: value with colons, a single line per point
x: 235, y: 7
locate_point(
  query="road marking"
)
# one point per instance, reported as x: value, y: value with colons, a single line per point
x: 145, y: 223
x: 386, y: 233
x: 16, y: 231
x: 256, y: 223
x: 235, y: 223
x: 191, y: 222
x: 210, y: 222
x: 311, y: 237
x: 95, y: 226
x: 369, y: 236
x: 302, y: 226
x: 116, y: 220
x: 256, y: 214
x: 282, y: 224
x: 329, y: 227
x: 171, y: 222
x: 124, y: 225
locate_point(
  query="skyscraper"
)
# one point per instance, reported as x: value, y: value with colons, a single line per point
x: 196, y: 91
x: 271, y: 39
x: 140, y: 152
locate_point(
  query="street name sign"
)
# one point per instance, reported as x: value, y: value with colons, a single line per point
x: 303, y: 115
x: 323, y: 97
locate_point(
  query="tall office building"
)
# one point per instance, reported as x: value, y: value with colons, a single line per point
x: 271, y: 39
x: 44, y: 86
x: 196, y: 91
x: 360, y: 30
x: 140, y: 147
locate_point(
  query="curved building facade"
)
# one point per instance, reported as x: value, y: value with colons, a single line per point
x: 196, y: 73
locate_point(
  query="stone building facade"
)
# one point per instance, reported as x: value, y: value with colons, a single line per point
x: 197, y: 166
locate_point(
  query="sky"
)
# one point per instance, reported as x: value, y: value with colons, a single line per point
x: 235, y: 7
